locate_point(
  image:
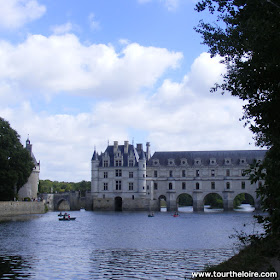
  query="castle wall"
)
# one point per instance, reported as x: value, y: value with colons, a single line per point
x: 11, y: 208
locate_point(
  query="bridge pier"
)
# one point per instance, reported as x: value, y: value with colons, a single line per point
x: 198, y: 203
x: 228, y: 200
x: 171, y: 200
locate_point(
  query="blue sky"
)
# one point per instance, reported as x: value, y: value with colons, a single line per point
x: 77, y: 74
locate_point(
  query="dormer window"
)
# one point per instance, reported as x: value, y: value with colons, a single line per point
x: 184, y: 161
x: 197, y: 161
x: 155, y: 162
x: 131, y: 162
x: 118, y: 162
x: 227, y: 161
x: 242, y: 161
x: 171, y: 162
x: 213, y: 161
x: 105, y: 163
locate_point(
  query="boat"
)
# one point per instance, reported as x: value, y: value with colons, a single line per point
x: 67, y: 219
x: 175, y: 215
x: 150, y: 215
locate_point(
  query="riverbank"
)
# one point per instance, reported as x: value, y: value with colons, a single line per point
x: 13, y: 208
x: 260, y: 256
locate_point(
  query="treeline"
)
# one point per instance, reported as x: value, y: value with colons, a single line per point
x: 48, y: 186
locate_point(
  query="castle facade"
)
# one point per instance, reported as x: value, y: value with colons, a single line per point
x: 125, y: 177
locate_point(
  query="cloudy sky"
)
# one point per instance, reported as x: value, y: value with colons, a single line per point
x: 77, y: 74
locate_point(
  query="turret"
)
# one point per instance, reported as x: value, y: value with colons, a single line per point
x: 148, y: 152
x: 141, y: 170
x: 94, y: 172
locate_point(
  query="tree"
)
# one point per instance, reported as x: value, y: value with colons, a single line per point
x: 16, y: 163
x: 246, y: 34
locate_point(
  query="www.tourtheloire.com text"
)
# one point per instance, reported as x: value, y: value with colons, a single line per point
x: 234, y: 274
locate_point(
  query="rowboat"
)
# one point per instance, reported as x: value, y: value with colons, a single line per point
x: 67, y: 219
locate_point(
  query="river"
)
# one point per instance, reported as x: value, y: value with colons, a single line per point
x: 125, y: 245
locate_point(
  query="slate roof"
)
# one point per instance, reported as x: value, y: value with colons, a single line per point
x: 205, y: 156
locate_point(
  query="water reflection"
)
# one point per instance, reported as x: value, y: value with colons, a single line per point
x: 152, y: 264
x: 15, y: 267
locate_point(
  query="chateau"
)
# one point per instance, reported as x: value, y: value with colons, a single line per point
x: 30, y: 189
x: 125, y: 177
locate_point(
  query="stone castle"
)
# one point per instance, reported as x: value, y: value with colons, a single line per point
x: 125, y: 177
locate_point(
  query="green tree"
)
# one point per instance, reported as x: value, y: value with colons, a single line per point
x: 246, y: 34
x: 16, y: 163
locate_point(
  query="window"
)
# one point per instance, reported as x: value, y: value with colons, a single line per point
x: 228, y: 172
x: 130, y: 162
x: 105, y: 174
x: 155, y: 186
x: 148, y: 187
x: 228, y: 185
x: 130, y: 174
x: 118, y: 173
x: 183, y: 186
x: 197, y: 186
x: 183, y: 173
x: 105, y: 163
x: 155, y: 173
x: 170, y: 186
x: 213, y: 186
x: 105, y: 186
x: 170, y: 173
x: 243, y: 185
x: 130, y: 186
x: 118, y: 185
x: 213, y: 173
x: 133, y: 197
x: 197, y: 173
x: 118, y: 162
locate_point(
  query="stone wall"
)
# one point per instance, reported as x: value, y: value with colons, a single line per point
x: 11, y: 208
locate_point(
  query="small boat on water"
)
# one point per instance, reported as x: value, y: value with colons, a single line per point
x: 67, y: 219
x: 151, y: 215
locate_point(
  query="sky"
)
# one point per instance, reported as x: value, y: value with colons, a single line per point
x: 77, y: 75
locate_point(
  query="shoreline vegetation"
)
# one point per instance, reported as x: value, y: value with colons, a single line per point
x: 262, y: 255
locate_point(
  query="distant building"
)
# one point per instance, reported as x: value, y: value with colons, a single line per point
x: 30, y: 189
x: 125, y: 177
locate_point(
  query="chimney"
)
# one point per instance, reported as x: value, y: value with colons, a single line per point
x: 115, y: 146
x: 139, y: 148
x: 148, y: 152
x: 126, y: 147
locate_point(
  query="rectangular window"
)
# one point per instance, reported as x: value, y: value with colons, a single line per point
x: 213, y: 186
x: 118, y: 173
x: 130, y: 174
x: 105, y: 163
x: 170, y: 173
x: 228, y: 172
x: 118, y: 185
x: 242, y: 185
x: 213, y: 173
x: 197, y: 173
x: 155, y: 186
x: 130, y: 162
x: 105, y: 185
x: 155, y: 173
x: 183, y: 173
x: 130, y: 186
x: 105, y: 174
x: 183, y: 186
x: 118, y: 162
x: 228, y: 185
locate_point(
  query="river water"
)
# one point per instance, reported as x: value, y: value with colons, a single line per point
x: 125, y: 245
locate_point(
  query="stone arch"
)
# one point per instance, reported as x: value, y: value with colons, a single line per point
x: 63, y: 205
x: 162, y: 202
x: 118, y: 203
x: 184, y: 202
x: 214, y: 200
x: 244, y: 198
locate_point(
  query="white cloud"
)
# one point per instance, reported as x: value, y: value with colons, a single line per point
x: 171, y: 5
x: 15, y: 13
x: 62, y: 63
x: 63, y: 28
x: 92, y: 22
x: 178, y: 116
